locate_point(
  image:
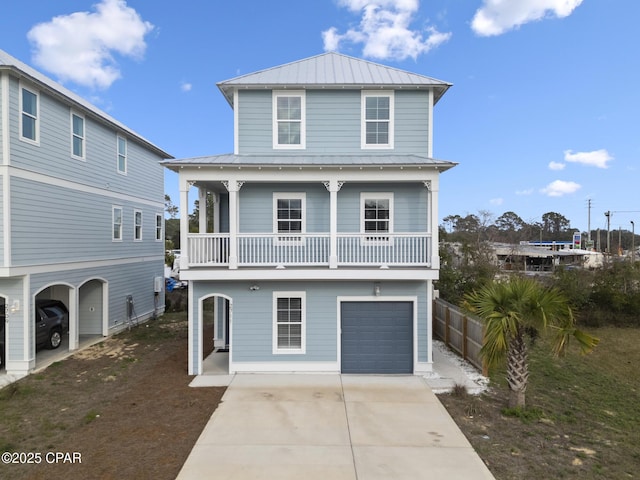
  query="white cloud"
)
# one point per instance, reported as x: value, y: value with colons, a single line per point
x: 597, y: 158
x: 79, y: 47
x: 556, y: 166
x: 528, y: 191
x: 496, y: 17
x: 186, y: 86
x: 559, y: 188
x: 496, y: 201
x: 385, y: 31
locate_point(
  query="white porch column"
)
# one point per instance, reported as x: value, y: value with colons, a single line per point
x: 233, y: 187
x: 202, y: 210
x: 184, y: 223
x: 432, y: 220
x: 334, y: 187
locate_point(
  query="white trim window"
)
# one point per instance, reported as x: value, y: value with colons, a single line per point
x: 122, y: 155
x: 77, y: 136
x: 137, y: 225
x: 289, y: 130
x: 159, y: 222
x: 376, y: 215
x: 377, y: 119
x: 289, y: 322
x: 116, y: 221
x: 289, y: 219
x: 30, y: 116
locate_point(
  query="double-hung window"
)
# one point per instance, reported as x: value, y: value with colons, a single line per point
x: 77, y: 135
x: 289, y: 129
x: 30, y: 108
x: 376, y: 216
x: 158, y: 227
x: 137, y: 225
x: 377, y: 119
x: 289, y: 217
x: 117, y: 224
x: 122, y: 155
x: 289, y: 322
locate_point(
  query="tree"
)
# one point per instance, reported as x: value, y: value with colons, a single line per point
x: 169, y: 207
x: 515, y: 310
x: 555, y: 224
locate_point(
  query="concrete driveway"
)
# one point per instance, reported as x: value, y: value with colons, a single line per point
x: 332, y: 427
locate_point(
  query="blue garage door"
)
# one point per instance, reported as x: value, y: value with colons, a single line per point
x: 377, y: 337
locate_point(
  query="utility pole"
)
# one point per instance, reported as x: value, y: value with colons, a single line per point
x: 633, y: 242
x: 589, y: 220
x: 608, y: 215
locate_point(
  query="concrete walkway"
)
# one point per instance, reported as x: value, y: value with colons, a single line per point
x: 331, y: 427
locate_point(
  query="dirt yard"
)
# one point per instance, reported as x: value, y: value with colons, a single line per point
x: 122, y: 407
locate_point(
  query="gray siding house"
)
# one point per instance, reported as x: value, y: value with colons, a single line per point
x: 318, y: 240
x: 81, y: 215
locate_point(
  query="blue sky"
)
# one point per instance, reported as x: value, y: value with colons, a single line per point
x: 542, y: 116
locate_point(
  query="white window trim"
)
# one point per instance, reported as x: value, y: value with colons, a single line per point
x: 377, y: 196
x: 303, y: 121
x: 135, y: 237
x: 113, y: 222
x: 302, y: 196
x: 159, y: 227
x: 37, y: 124
x: 363, y: 119
x: 83, y: 137
x: 126, y: 155
x: 303, y: 331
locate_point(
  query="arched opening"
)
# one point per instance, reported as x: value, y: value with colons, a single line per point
x: 92, y: 312
x: 214, y: 319
x: 54, y: 317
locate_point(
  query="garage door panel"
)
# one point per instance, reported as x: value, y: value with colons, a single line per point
x: 377, y: 337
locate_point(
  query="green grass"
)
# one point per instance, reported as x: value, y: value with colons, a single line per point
x: 581, y: 402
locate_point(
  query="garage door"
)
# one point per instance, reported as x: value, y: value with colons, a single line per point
x: 377, y: 337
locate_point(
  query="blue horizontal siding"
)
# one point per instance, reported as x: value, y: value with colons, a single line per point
x: 252, y: 323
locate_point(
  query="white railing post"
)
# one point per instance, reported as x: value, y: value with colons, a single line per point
x: 334, y: 187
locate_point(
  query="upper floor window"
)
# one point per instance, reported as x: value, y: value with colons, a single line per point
x: 377, y: 119
x: 158, y: 227
x: 289, y: 322
x: 289, y: 216
x: 137, y: 225
x: 289, y: 120
x: 77, y: 135
x: 29, y: 105
x: 122, y: 155
x: 376, y: 215
x: 117, y: 224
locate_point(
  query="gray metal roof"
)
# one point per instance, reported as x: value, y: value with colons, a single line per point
x: 332, y: 70
x: 7, y: 62
x: 310, y: 161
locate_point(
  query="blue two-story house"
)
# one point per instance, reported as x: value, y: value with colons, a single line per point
x: 81, y: 218
x: 318, y: 240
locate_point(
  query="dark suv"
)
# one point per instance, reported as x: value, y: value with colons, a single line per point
x: 52, y: 321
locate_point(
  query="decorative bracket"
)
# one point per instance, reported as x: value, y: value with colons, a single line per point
x: 427, y: 184
x: 339, y: 184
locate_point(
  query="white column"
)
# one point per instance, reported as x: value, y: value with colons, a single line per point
x: 334, y: 187
x: 432, y: 220
x: 233, y: 187
x: 202, y: 210
x: 184, y: 224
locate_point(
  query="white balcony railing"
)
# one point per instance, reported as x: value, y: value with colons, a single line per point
x: 310, y: 249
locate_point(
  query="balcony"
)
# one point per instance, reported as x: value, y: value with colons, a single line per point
x: 310, y: 250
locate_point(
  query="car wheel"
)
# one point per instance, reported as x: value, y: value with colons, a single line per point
x: 55, y: 339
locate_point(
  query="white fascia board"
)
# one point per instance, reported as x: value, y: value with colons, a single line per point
x: 310, y: 174
x: 339, y: 274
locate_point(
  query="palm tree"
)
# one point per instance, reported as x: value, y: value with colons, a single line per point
x: 515, y: 310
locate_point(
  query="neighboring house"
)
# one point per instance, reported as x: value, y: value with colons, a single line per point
x: 81, y: 214
x: 543, y: 256
x: 322, y: 246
